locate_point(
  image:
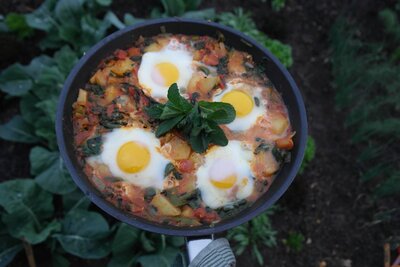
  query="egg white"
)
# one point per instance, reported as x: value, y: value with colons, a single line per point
x: 235, y: 158
x: 152, y: 175
x: 174, y: 53
x: 246, y: 122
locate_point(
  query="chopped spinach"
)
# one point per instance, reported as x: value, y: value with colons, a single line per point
x: 149, y: 193
x: 116, y: 120
x: 95, y: 89
x: 92, y: 146
x: 205, y: 70
x: 177, y: 199
x: 136, y: 58
x: 280, y: 155
x: 113, y: 179
x: 171, y: 168
x: 262, y: 147
x: 199, y: 45
x: 222, y: 67
x: 257, y: 101
x: 233, y: 209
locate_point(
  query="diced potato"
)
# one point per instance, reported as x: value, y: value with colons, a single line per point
x: 111, y: 93
x: 270, y: 164
x: 153, y: 47
x: 202, y: 84
x: 205, y: 85
x: 285, y: 143
x: 235, y: 63
x: 164, y: 207
x: 180, y: 149
x: 187, y: 184
x: 279, y: 124
x: 122, y: 66
x: 100, y: 77
x: 197, y: 159
x: 187, y: 212
x: 82, y: 97
x: 221, y: 50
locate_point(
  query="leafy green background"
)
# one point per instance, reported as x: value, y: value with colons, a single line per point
x: 27, y: 206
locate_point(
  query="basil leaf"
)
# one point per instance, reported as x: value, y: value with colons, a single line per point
x: 170, y: 112
x: 85, y: 234
x: 179, y: 101
x: 167, y: 125
x: 214, y: 111
x: 155, y: 111
x: 217, y: 136
x: 199, y: 143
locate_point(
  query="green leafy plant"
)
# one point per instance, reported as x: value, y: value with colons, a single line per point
x: 243, y: 22
x: 198, y: 121
x: 70, y: 22
x: 17, y: 23
x: 49, y: 210
x: 294, y: 241
x: 371, y: 97
x: 254, y: 234
x: 309, y: 154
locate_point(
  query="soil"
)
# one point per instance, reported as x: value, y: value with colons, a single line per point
x: 327, y: 203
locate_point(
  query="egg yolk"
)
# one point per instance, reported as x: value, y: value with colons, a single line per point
x: 241, y: 102
x: 222, y: 173
x: 133, y: 157
x: 225, y: 183
x: 165, y: 74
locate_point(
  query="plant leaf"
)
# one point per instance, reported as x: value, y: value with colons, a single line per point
x: 15, y: 81
x: 125, y: 239
x: 28, y: 209
x: 85, y: 234
x: 18, y: 130
x: 9, y: 247
x: 173, y: 7
x: 50, y: 172
x: 167, y: 125
x: 164, y: 258
x: 219, y: 112
x: 177, y: 99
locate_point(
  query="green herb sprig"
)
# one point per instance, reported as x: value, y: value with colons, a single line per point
x: 197, y: 122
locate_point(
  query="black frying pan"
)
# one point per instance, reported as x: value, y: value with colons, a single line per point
x: 279, y: 76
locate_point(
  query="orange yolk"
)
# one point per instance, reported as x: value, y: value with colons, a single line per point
x: 241, y: 101
x: 133, y: 157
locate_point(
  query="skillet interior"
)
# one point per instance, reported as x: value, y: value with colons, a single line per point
x: 122, y: 39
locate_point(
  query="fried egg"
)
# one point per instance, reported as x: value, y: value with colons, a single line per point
x: 133, y: 155
x: 159, y: 69
x: 247, y: 101
x: 226, y: 177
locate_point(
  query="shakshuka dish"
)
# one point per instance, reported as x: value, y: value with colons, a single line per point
x: 181, y: 130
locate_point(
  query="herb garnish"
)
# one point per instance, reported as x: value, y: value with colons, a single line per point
x: 197, y: 121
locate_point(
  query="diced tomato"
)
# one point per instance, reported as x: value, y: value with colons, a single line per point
x: 221, y: 82
x: 81, y: 137
x: 110, y: 110
x: 133, y: 51
x: 121, y: 54
x: 211, y: 59
x: 285, y: 143
x: 203, y: 215
x: 185, y: 165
